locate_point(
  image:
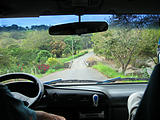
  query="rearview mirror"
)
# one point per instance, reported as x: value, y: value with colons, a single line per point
x: 78, y: 28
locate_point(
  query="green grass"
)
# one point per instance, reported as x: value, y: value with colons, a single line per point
x: 64, y: 60
x: 108, y: 71
x: 53, y: 70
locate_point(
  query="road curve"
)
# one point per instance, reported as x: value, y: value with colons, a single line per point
x: 78, y: 71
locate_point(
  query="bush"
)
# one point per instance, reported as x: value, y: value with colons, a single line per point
x: 144, y: 73
x: 3, y: 71
x: 54, y: 63
x: 42, y: 56
x: 43, y: 68
x: 21, y: 55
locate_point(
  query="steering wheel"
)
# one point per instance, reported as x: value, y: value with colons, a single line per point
x: 20, y: 96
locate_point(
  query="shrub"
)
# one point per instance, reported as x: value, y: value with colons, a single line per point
x: 144, y: 73
x: 42, y: 56
x: 54, y: 63
x: 43, y: 68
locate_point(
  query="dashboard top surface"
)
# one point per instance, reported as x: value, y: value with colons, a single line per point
x: 111, y: 90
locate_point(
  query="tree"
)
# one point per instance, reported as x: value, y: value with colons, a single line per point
x: 148, y: 44
x: 130, y: 37
x: 17, y: 35
x: 5, y: 58
x: 6, y: 40
x: 36, y: 40
x: 57, y: 48
x: 135, y: 21
x: 75, y: 42
x: 121, y: 42
x: 119, y: 45
x: 13, y: 27
x: 39, y: 27
x: 86, y: 41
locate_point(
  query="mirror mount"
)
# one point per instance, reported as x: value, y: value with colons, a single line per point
x: 79, y: 18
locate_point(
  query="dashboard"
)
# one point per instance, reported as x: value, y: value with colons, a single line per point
x: 89, y: 102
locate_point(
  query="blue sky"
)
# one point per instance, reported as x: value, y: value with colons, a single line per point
x: 51, y: 20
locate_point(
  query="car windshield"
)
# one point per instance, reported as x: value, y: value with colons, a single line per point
x: 128, y: 49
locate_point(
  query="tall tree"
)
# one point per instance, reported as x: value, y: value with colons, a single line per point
x: 36, y: 40
x: 121, y: 43
x: 57, y: 48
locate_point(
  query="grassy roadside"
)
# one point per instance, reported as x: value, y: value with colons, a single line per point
x: 111, y: 73
x: 108, y: 71
x: 64, y: 60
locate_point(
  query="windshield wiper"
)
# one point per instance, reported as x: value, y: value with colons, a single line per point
x: 121, y: 79
x: 109, y: 80
x: 69, y: 81
x: 94, y: 81
x: 53, y: 81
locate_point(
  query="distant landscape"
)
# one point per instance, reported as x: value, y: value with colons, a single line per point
x: 33, y: 50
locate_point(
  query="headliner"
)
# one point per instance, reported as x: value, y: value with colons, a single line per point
x: 35, y: 8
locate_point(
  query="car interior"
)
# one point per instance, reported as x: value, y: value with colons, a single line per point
x: 76, y: 101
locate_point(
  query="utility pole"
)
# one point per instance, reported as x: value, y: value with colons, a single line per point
x: 72, y: 51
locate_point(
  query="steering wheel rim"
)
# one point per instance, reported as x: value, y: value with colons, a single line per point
x: 35, y: 80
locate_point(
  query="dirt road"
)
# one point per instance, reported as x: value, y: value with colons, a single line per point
x: 78, y: 71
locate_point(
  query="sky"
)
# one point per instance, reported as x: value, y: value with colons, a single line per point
x: 51, y: 20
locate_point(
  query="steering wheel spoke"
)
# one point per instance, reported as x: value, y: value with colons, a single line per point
x: 19, y: 96
x: 27, y: 100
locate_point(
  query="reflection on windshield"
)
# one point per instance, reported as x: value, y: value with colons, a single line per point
x: 127, y: 50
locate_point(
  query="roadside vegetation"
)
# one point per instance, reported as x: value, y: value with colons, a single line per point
x: 33, y: 50
x: 130, y: 43
x: 109, y: 72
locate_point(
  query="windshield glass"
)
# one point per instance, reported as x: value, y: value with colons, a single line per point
x: 128, y: 49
